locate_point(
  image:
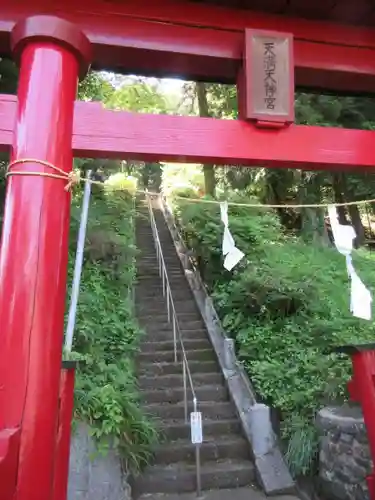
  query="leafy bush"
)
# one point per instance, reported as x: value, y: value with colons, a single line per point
x: 107, y: 335
x: 121, y: 181
x: 286, y: 305
x: 185, y: 180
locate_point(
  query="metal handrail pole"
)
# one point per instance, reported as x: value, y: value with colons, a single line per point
x: 168, y: 304
x: 197, y: 457
x: 198, y: 468
x: 185, y: 392
x: 78, y: 264
x: 174, y: 339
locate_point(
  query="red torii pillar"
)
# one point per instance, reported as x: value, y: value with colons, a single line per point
x: 34, y: 254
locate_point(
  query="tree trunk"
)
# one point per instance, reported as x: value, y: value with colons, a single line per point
x: 355, y: 216
x: 313, y: 226
x: 208, y: 170
x: 277, y: 186
x: 337, y: 186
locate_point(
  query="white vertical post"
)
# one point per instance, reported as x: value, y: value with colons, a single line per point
x: 185, y: 391
x: 168, y: 305
x: 174, y: 337
x: 78, y: 264
x: 163, y: 285
x: 197, y: 457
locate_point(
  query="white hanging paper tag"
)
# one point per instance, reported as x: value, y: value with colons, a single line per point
x: 196, y: 427
x: 344, y: 239
x: 343, y: 235
x: 229, y: 249
x: 233, y: 258
x: 224, y: 213
x: 360, y: 299
x: 349, y: 266
x: 228, y: 242
x: 360, y: 296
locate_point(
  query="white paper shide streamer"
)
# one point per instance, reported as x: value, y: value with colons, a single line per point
x: 360, y: 296
x: 232, y: 254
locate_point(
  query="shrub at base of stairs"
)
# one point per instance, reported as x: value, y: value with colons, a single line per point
x: 107, y: 335
x: 286, y: 304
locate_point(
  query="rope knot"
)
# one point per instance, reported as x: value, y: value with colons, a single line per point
x: 74, y: 178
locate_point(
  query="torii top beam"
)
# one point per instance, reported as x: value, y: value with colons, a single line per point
x: 205, y: 42
x: 103, y: 133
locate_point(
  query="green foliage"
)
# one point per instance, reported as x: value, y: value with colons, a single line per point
x: 180, y: 179
x: 8, y: 76
x: 286, y: 305
x: 95, y: 87
x: 121, y: 181
x: 138, y: 96
x: 107, y: 335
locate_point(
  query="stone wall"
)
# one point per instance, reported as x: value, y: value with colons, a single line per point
x: 93, y: 477
x: 344, y: 456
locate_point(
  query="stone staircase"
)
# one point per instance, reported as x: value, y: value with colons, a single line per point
x: 227, y: 470
x: 225, y: 453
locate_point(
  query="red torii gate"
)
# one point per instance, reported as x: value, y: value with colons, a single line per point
x: 160, y: 37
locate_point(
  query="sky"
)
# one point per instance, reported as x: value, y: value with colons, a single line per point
x: 168, y: 86
x: 171, y: 85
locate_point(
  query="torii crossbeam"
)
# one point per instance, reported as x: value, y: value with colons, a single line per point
x: 102, y: 133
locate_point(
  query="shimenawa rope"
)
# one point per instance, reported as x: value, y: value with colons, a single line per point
x: 73, y: 178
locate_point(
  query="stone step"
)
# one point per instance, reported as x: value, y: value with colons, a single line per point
x: 171, y: 264
x: 156, y: 326
x: 148, y: 279
x: 168, y: 345
x: 159, y: 369
x: 181, y: 477
x: 177, y: 380
x: 176, y: 394
x: 146, y: 242
x: 213, y: 448
x: 145, y: 230
x: 148, y: 273
x: 152, y: 263
x: 147, y: 256
x: 150, y: 257
x: 151, y: 278
x: 156, y: 290
x: 154, y: 301
x: 155, y: 295
x: 246, y: 493
x: 210, y: 410
x: 180, y: 430
x: 153, y: 308
x: 168, y: 356
x: 167, y: 334
x: 151, y: 275
x: 162, y: 316
x: 173, y: 273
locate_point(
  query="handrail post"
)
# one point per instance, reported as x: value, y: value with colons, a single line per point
x: 168, y: 306
x: 185, y: 392
x: 197, y: 457
x: 175, y: 339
